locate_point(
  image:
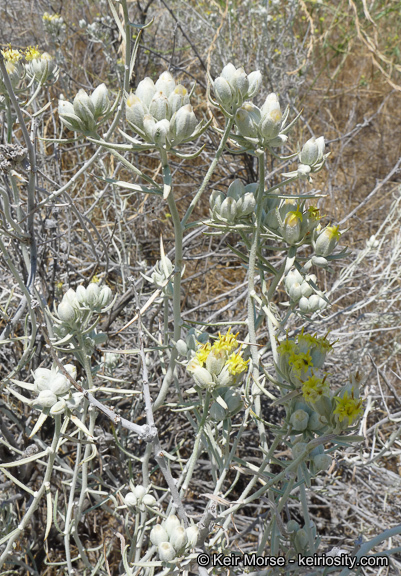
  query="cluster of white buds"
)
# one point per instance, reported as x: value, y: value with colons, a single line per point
x: 300, y: 290
x: 53, y: 389
x: 54, y: 25
x: 290, y: 221
x: 110, y: 361
x: 312, y: 159
x: 139, y: 498
x: 161, y: 276
x: 239, y: 203
x: 14, y: 69
x: 42, y: 69
x: 234, y: 86
x: 161, y: 113
x: 218, y: 365
x: 172, y: 539
x: 226, y: 404
x: 82, y: 115
x: 262, y: 126
x: 75, y: 303
x: 324, y: 241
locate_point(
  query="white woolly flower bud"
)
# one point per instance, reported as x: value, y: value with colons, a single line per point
x: 321, y: 145
x: 149, y: 500
x: 215, y: 361
x: 192, y: 536
x: 228, y: 210
x: 327, y: 240
x: 100, y: 100
x: 255, y: 82
x: 92, y: 295
x: 240, y: 82
x: 149, y: 124
x: 202, y: 377
x: 292, y: 227
x: 228, y: 73
x: 301, y: 540
x: 165, y: 83
x: 42, y: 379
x: 135, y: 111
x: 105, y: 297
x: 299, y: 420
x: 68, y: 116
x: 224, y: 93
x: 181, y: 347
x: 130, y: 499
x: 42, y: 68
x: 178, y: 538
x: 178, y: 98
x: 159, y: 107
x: 66, y: 312
x: 161, y: 132
x: 225, y: 378
x: 46, y: 399
x: 85, y: 110
x: 139, y: 492
x: 171, y: 523
x: 158, y: 535
x: 247, y: 120
x: 59, y: 385
x: 310, y: 152
x: 295, y: 291
x: 315, y: 422
x: 80, y: 295
x: 58, y: 408
x: 293, y: 277
x: 145, y: 91
x: 270, y: 105
x: 166, y: 552
x: 183, y: 124
x: 216, y: 199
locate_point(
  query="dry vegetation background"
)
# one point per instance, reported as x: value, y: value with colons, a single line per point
x: 339, y: 61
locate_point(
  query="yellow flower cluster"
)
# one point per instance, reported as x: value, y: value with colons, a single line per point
x: 50, y: 17
x: 31, y: 53
x: 11, y: 55
x: 348, y: 407
x: 314, y: 388
x: 222, y: 347
x: 227, y: 342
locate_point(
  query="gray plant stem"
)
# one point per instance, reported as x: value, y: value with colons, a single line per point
x: 219, y: 152
x: 196, y: 450
x: 178, y: 262
x: 251, y: 292
x: 39, y: 494
x: 30, y: 194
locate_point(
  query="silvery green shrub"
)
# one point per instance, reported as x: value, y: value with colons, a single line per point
x: 217, y: 375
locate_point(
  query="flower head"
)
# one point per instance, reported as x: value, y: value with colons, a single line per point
x: 32, y: 53
x: 11, y: 55
x: 236, y: 364
x: 314, y: 388
x: 203, y: 353
x: 348, y: 407
x: 226, y: 342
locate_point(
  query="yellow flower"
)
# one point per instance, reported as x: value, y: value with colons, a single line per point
x: 348, y: 407
x: 203, y: 353
x: 314, y: 388
x: 49, y: 17
x: 287, y: 347
x: 314, y: 213
x: 236, y: 364
x: 11, y: 55
x: 300, y: 362
x: 226, y: 342
x: 32, y: 53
